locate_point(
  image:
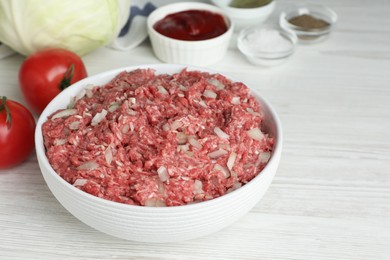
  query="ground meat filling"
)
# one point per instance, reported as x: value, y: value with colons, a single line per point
x: 159, y: 140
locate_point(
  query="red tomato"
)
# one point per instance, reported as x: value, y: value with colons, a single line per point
x: 45, y: 74
x: 17, y: 127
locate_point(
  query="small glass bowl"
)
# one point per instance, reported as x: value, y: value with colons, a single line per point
x: 270, y: 56
x: 311, y: 35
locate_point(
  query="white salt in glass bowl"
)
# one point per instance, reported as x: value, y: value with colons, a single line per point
x: 156, y: 224
x: 274, y: 53
x: 245, y: 17
x: 198, y: 53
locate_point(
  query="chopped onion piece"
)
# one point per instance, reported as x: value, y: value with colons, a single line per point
x: 88, y: 92
x: 118, y: 163
x: 125, y: 129
x: 176, y: 124
x: 72, y: 102
x: 184, y: 147
x: 195, y: 143
x: 132, y: 127
x: 74, y: 125
x: 64, y: 113
x: 198, y: 187
x: 224, y: 170
x: 180, y: 94
x: 264, y: 157
x: 202, y: 103
x: 218, y: 153
x: 89, y: 86
x: 182, y: 87
x: 166, y: 127
x: 80, y: 182
x: 216, y: 83
x: 132, y: 100
x: 132, y: 112
x: 154, y: 202
x: 162, y: 90
x: 209, y: 93
x: 108, y: 154
x: 250, y: 110
x: 221, y: 134
x: 256, y: 134
x: 181, y: 138
x: 91, y: 165
x: 86, y: 114
x: 189, y: 153
x: 98, y: 117
x: 60, y: 141
x: 235, y: 100
x: 114, y: 106
x: 231, y: 160
x: 80, y: 95
x: 161, y: 188
x: 237, y: 185
x: 163, y: 173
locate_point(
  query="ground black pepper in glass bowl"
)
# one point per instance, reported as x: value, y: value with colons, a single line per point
x: 311, y: 23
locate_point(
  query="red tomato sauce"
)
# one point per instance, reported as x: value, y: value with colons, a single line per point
x: 192, y: 25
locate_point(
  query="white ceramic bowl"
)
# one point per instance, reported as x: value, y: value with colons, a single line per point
x: 198, y: 53
x: 245, y: 17
x: 155, y: 224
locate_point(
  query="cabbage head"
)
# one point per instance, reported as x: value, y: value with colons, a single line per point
x: 80, y: 26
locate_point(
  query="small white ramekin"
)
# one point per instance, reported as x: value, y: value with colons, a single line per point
x: 246, y: 17
x: 198, y: 53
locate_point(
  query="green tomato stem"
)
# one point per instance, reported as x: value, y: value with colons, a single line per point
x: 65, y: 82
x: 3, y: 106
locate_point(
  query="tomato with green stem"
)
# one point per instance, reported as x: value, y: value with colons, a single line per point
x: 17, y: 126
x: 45, y: 74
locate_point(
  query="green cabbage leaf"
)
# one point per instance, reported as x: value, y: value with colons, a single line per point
x: 80, y: 26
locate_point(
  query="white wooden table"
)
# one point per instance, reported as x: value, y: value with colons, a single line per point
x: 331, y: 196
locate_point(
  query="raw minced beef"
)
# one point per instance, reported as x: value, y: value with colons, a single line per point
x: 159, y: 140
